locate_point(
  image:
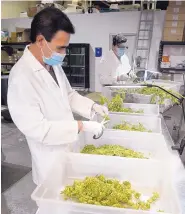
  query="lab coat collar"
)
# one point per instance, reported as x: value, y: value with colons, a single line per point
x: 32, y: 61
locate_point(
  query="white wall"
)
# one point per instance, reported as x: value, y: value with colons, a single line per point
x: 156, y: 38
x: 95, y: 29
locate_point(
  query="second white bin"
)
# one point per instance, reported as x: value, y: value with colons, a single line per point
x: 152, y: 147
x: 149, y: 122
x: 148, y: 109
x: 145, y: 177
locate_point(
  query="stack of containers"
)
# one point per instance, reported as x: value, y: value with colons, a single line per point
x: 134, y: 97
x: 174, y: 22
x: 146, y: 175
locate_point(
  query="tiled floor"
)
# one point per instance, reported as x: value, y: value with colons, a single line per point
x: 17, y: 200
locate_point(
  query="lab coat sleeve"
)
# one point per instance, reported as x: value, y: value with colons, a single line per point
x: 79, y: 104
x: 129, y: 66
x: 26, y: 113
x: 125, y: 64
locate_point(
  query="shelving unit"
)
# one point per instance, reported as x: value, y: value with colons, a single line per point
x: 171, y: 69
x: 76, y: 63
x: 7, y: 63
x: 76, y: 68
x: 14, y: 43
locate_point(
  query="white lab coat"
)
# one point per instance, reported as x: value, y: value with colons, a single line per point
x: 124, y: 67
x: 110, y: 68
x: 43, y: 111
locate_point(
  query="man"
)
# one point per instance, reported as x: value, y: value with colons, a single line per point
x: 40, y: 98
x: 119, y: 48
x: 115, y: 66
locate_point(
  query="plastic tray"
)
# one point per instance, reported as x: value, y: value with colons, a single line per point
x: 145, y: 177
x: 111, y: 91
x: 149, y: 122
x: 146, y: 99
x: 175, y: 86
x: 148, y: 109
x: 137, y: 98
x: 151, y: 147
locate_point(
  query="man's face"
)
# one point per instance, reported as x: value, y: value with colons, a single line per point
x: 115, y: 48
x: 58, y: 43
x: 118, y: 51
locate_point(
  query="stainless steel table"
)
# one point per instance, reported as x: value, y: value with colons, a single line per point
x: 178, y: 167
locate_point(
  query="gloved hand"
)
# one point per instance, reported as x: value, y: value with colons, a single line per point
x: 123, y: 77
x: 132, y: 75
x: 99, y: 109
x: 93, y: 127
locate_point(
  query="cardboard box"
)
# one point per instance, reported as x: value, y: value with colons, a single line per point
x: 22, y: 34
x: 175, y: 17
x: 32, y: 11
x: 13, y: 37
x: 173, y: 31
x: 178, y: 10
x: 173, y: 34
x: 178, y: 24
x: 173, y: 38
x: 176, y: 3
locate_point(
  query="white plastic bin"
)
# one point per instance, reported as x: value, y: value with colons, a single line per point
x: 148, y: 109
x: 130, y: 97
x: 144, y: 177
x: 149, y: 122
x: 150, y: 147
x: 146, y: 99
x: 137, y: 98
x: 171, y: 85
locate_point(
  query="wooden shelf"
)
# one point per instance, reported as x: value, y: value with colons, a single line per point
x: 173, y: 69
x: 172, y: 43
x: 8, y: 63
x: 14, y: 43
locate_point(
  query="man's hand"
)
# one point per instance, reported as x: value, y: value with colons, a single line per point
x: 132, y: 75
x: 123, y: 77
x: 99, y: 109
x: 93, y: 127
x: 80, y: 126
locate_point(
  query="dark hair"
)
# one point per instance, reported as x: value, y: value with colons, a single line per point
x: 48, y: 21
x: 118, y: 39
